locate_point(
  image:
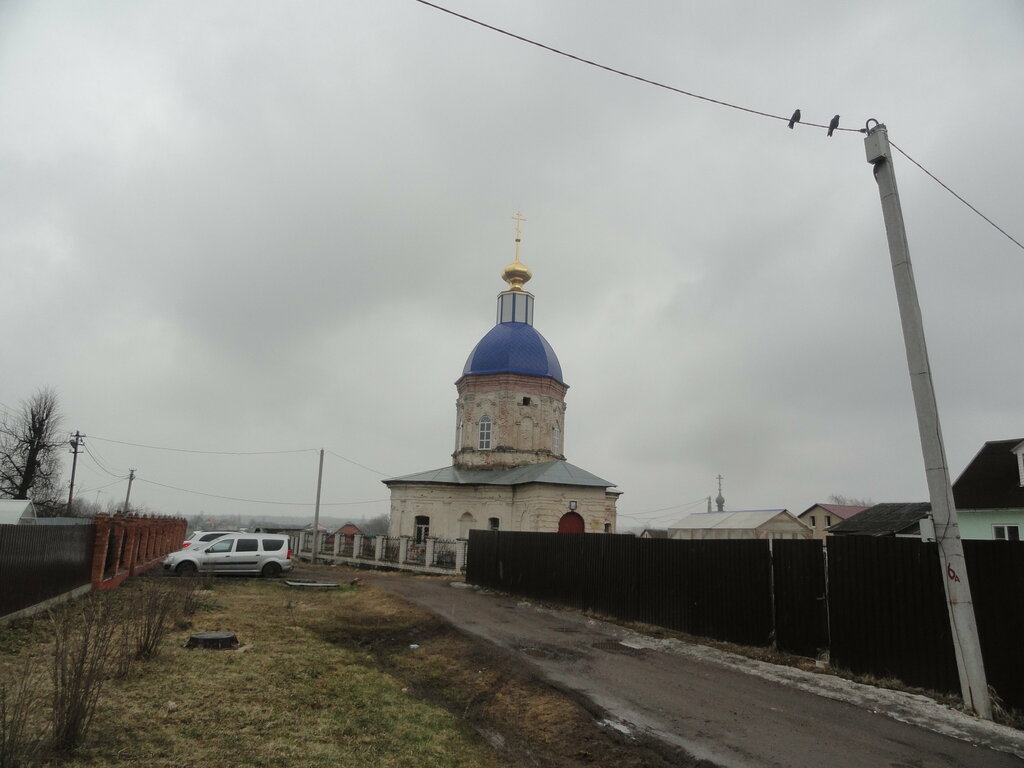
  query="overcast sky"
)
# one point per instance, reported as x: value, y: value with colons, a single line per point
x: 277, y: 226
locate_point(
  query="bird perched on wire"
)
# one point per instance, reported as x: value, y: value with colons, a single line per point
x: 795, y: 118
x: 833, y: 125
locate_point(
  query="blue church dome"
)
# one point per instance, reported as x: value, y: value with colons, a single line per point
x: 514, y: 348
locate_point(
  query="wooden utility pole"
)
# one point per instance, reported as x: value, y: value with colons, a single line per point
x: 970, y: 665
x: 76, y: 441
x: 316, y: 511
x: 127, y: 496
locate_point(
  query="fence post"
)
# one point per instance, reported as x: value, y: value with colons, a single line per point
x: 461, y: 550
x: 378, y: 546
x: 428, y: 553
x: 357, y: 545
x: 403, y: 548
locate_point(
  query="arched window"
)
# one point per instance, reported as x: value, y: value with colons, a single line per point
x: 422, y: 531
x: 494, y: 523
x: 556, y: 440
x: 485, y: 434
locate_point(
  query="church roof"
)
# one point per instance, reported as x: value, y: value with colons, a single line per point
x: 514, y: 348
x: 551, y: 472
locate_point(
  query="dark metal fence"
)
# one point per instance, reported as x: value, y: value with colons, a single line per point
x: 39, y: 562
x: 389, y: 552
x: 444, y: 553
x: 799, y: 596
x: 347, y: 545
x: 996, y: 569
x: 883, y: 612
x: 368, y: 547
x: 888, y: 612
x: 416, y: 553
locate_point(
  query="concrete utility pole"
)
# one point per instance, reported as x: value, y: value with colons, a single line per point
x: 76, y: 441
x: 316, y: 511
x: 970, y: 665
x: 127, y: 496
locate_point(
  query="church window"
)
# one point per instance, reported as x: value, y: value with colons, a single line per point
x: 485, y: 433
x: 556, y: 440
x: 494, y: 523
x: 526, y: 401
x: 422, y: 528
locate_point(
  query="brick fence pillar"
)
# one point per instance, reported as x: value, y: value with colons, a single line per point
x: 116, y: 554
x: 99, y: 547
x: 131, y: 544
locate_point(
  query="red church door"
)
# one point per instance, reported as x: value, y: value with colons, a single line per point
x: 570, y: 522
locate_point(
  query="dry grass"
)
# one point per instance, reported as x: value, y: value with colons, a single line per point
x: 527, y: 720
x: 286, y: 698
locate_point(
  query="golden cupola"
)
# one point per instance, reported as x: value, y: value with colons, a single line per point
x: 517, y: 274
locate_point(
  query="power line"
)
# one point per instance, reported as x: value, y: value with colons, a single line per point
x: 651, y: 514
x: 100, y: 464
x: 216, y: 453
x: 261, y: 501
x: 356, y: 463
x: 622, y: 73
x: 100, y: 487
x: 954, y: 194
x: 708, y: 99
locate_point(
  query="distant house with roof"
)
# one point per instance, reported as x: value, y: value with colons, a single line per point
x: 989, y: 494
x: 17, y: 512
x: 654, y: 533
x: 891, y: 519
x: 820, y: 516
x: 747, y: 524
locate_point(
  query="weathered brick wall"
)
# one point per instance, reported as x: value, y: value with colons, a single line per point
x: 129, y: 544
x: 524, y: 411
x: 455, y: 510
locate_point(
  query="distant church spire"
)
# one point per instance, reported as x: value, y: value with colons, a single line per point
x: 720, y: 499
x: 516, y: 274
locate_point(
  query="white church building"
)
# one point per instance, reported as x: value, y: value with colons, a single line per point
x: 508, y: 471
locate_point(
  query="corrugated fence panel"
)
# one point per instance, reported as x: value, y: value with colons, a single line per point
x: 714, y: 588
x: 611, y: 562
x: 996, y: 570
x: 887, y: 611
x: 801, y: 611
x: 38, y: 562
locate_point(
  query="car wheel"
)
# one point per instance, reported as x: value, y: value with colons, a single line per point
x: 186, y: 568
x: 271, y: 570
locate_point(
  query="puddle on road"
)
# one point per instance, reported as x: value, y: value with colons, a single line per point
x: 616, y: 647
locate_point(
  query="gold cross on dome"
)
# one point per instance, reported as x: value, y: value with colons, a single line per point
x: 518, y: 218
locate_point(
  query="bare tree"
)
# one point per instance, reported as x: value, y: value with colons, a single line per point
x: 29, y: 443
x: 376, y: 525
x: 849, y: 501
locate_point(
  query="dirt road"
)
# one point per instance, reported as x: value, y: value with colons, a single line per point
x: 732, y: 711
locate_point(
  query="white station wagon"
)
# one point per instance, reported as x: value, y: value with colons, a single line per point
x: 267, y: 554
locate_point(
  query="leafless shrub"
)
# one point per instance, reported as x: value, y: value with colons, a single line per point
x: 84, y: 634
x: 23, y: 731
x: 192, y: 598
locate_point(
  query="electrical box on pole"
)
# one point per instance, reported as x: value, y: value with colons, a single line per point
x: 969, y: 661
